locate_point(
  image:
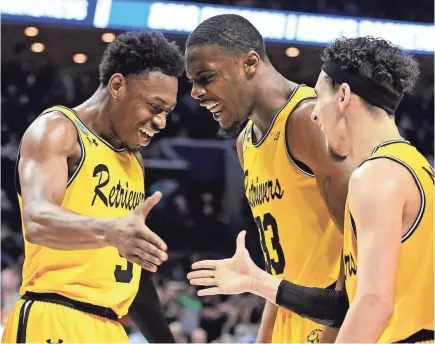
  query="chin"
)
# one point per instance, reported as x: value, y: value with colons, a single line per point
x: 334, y: 155
x: 230, y: 132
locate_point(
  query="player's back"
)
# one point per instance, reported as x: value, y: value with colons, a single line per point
x: 299, y: 240
x: 413, y: 317
x: 108, y: 183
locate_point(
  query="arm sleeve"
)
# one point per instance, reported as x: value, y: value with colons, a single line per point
x: 327, y: 307
x: 146, y: 312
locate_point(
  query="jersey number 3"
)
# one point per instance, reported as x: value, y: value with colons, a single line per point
x: 269, y: 222
x: 124, y: 276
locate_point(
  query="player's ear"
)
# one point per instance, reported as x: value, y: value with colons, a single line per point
x: 344, y: 96
x: 117, y: 86
x: 250, y: 63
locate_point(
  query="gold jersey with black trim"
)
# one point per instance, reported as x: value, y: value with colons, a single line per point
x: 108, y: 183
x: 299, y: 240
x: 413, y: 317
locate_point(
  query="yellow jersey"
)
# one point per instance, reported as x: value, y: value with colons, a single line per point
x: 298, y: 238
x: 108, y: 183
x: 414, y: 294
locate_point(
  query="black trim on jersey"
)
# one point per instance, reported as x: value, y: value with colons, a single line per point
x: 76, y: 171
x: 298, y: 164
x: 82, y: 156
x: 58, y: 299
x: 245, y: 137
x: 387, y: 143
x: 23, y: 320
x: 352, y: 225
x: 414, y: 226
x: 141, y: 163
x: 118, y: 150
x: 258, y: 144
x: 420, y: 336
x: 16, y: 174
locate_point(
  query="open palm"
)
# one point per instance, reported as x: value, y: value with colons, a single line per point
x: 225, y: 276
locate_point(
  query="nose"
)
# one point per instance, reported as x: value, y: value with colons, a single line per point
x: 159, y: 122
x: 197, y: 92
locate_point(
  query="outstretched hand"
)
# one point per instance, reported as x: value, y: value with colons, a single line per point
x: 225, y: 276
x: 138, y: 243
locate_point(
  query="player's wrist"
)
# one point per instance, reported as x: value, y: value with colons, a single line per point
x: 105, y: 232
x: 265, y: 285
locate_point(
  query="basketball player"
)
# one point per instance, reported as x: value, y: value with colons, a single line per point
x: 80, y: 187
x: 283, y: 156
x: 389, y: 225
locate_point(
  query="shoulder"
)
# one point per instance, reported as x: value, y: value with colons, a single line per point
x: 303, y: 110
x: 52, y: 130
x: 379, y: 180
x: 382, y: 172
x: 304, y: 138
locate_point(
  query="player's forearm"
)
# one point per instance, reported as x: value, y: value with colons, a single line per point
x: 325, y: 306
x: 366, y: 320
x: 329, y: 335
x: 58, y: 228
x: 267, y: 323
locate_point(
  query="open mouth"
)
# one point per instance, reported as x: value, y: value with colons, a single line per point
x: 145, y: 136
x: 216, y: 115
x: 215, y: 109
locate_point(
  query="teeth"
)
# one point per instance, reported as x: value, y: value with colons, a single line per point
x: 211, y: 105
x: 149, y: 133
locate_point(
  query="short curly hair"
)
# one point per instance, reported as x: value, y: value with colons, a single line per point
x: 230, y: 31
x: 136, y: 53
x: 377, y: 59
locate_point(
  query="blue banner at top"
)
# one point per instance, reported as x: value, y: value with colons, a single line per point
x: 183, y: 17
x: 60, y: 12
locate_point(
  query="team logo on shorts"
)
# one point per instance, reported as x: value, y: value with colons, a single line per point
x: 59, y: 341
x: 313, y: 337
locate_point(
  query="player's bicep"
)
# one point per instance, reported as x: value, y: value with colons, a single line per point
x: 376, y: 204
x: 43, y: 167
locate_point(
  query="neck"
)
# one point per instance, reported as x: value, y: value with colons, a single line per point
x: 272, y: 93
x: 371, y: 134
x: 95, y: 112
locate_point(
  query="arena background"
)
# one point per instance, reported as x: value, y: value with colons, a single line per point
x: 50, y: 54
